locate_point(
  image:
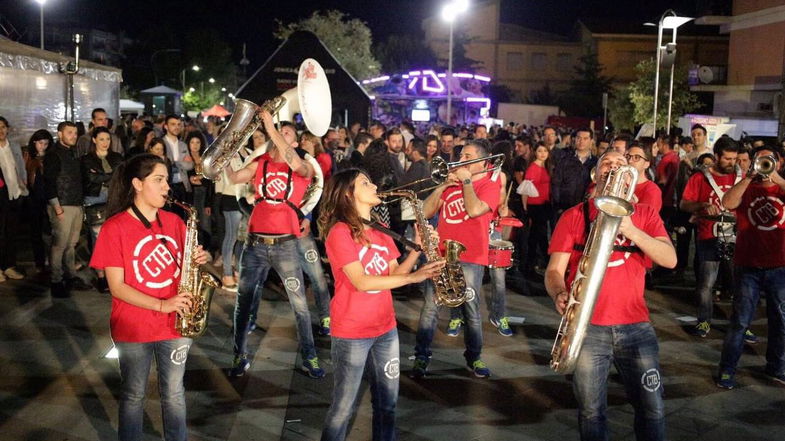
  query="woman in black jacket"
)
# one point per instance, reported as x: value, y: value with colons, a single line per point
x: 97, y: 169
x: 36, y: 204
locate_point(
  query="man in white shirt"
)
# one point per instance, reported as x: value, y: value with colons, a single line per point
x: 177, y: 152
x: 13, y: 178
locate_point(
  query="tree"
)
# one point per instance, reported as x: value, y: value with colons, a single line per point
x: 584, y: 96
x: 641, y: 95
x: 621, y: 110
x: 401, y: 53
x: 349, y: 40
x: 213, y: 55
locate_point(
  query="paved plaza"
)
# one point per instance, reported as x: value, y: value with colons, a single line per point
x: 57, y: 385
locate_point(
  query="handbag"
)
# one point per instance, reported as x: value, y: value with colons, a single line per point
x: 527, y: 188
x: 95, y: 214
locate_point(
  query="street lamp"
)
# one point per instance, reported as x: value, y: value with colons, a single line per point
x: 668, y: 20
x: 41, y: 3
x: 211, y: 80
x: 194, y: 68
x: 450, y: 12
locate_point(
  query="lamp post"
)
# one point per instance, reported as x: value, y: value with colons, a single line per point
x: 41, y: 3
x: 194, y: 68
x: 450, y: 12
x: 668, y: 20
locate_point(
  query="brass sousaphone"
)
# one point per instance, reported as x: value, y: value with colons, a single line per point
x: 311, y: 99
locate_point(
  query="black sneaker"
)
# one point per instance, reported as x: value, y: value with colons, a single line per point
x: 77, y: 284
x: 59, y: 291
x: 420, y: 368
x: 240, y: 365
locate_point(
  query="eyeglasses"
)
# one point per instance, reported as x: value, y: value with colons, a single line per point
x: 635, y: 158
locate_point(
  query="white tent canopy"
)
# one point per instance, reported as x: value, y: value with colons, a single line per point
x: 130, y: 106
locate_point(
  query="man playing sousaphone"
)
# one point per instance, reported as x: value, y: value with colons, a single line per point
x: 281, y: 179
x: 619, y: 331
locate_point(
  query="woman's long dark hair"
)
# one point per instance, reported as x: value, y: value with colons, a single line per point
x: 337, y: 205
x: 37, y: 136
x: 94, y: 135
x: 121, y: 191
x: 202, y: 141
x: 376, y: 162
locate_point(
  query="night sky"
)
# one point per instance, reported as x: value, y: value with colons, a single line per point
x: 252, y: 21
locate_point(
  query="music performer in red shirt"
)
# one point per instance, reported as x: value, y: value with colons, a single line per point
x: 702, y: 197
x: 759, y: 202
x: 646, y: 191
x: 364, y: 332
x: 620, y: 332
x: 465, y: 205
x: 281, y: 178
x: 140, y: 249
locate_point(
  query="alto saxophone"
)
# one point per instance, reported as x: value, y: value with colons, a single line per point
x: 450, y: 284
x: 613, y: 204
x: 200, y: 284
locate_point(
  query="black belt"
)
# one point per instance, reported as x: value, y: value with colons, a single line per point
x: 261, y: 239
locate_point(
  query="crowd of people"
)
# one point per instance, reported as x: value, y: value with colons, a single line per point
x: 108, y: 187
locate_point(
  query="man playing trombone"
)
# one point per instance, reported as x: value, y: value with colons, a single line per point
x: 465, y: 204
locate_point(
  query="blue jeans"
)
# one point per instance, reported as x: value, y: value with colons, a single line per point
x: 497, y: 301
x: 135, y: 361
x: 708, y: 268
x: 255, y: 263
x: 378, y: 359
x: 751, y: 282
x: 311, y: 263
x: 231, y: 224
x: 471, y: 311
x: 633, y: 349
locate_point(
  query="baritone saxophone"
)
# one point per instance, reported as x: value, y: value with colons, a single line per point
x: 613, y: 204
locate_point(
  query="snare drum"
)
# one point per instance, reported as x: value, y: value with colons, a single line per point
x: 500, y: 254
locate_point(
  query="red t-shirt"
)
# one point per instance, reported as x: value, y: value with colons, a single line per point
x: 620, y: 300
x: 455, y: 223
x: 648, y: 193
x: 354, y: 313
x: 326, y: 164
x: 760, y: 241
x: 698, y: 189
x: 150, y: 266
x: 277, y: 217
x: 542, y: 182
x: 668, y: 169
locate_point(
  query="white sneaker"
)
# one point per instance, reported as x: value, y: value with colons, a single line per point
x: 13, y: 274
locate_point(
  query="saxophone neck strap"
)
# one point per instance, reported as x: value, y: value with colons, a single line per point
x: 148, y: 225
x: 398, y: 237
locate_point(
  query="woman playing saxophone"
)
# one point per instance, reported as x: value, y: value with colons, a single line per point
x: 363, y: 326
x: 140, y: 247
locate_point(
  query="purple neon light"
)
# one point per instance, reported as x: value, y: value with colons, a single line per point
x: 415, y: 73
x: 413, y: 82
x: 482, y: 78
x: 429, y: 74
x: 462, y: 75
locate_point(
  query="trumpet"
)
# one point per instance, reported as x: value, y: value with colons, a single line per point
x: 440, y: 169
x: 765, y: 165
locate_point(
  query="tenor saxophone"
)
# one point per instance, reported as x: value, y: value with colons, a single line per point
x: 200, y: 284
x: 450, y: 284
x: 613, y: 204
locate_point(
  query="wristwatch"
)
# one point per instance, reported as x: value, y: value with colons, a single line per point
x: 467, y: 181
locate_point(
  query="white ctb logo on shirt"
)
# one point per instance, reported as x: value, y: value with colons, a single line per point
x: 620, y: 241
x: 276, y: 186
x: 151, y: 259
x: 375, y: 263
x: 454, y: 210
x: 766, y: 213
